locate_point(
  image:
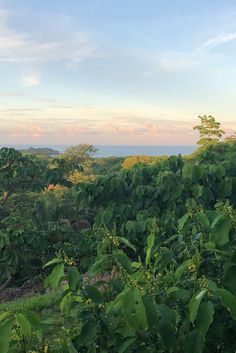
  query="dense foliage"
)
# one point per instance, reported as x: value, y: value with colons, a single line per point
x: 33, y: 222
x: 159, y: 248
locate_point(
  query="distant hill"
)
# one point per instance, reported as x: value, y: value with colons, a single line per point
x: 41, y: 151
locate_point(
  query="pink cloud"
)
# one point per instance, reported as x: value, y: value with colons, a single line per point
x: 75, y: 125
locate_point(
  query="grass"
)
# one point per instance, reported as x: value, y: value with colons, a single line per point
x: 55, y: 324
x: 35, y: 303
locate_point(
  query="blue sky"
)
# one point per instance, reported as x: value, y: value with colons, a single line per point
x: 115, y: 72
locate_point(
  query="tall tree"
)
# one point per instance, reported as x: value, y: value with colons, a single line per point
x: 209, y: 130
x: 81, y: 154
x: 19, y: 173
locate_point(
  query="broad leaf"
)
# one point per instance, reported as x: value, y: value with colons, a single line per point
x: 221, y: 227
x: 126, y: 344
x: 181, y: 269
x: 93, y: 293
x: 73, y: 277
x: 151, y: 312
x: 5, y: 332
x: 182, y: 221
x: 194, y: 304
x: 194, y: 342
x: 55, y: 276
x: 127, y: 243
x: 134, y: 310
x: 122, y: 260
x: 204, y: 318
x: 228, y: 300
x: 53, y: 262
x: 25, y: 326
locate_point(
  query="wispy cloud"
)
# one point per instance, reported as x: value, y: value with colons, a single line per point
x: 30, y: 80
x: 98, y: 126
x: 11, y: 94
x: 21, y: 47
x: 177, y: 61
x: 219, y: 39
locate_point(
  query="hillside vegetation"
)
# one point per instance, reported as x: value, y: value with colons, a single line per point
x: 138, y: 259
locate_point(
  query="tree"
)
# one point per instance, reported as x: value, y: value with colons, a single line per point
x: 19, y: 173
x: 60, y: 169
x: 131, y: 161
x: 81, y: 154
x: 209, y: 130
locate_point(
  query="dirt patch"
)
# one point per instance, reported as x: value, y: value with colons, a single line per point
x: 28, y: 289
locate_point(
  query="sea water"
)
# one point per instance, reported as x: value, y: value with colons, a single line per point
x: 122, y: 150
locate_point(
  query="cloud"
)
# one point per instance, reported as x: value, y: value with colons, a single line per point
x: 21, y: 47
x: 178, y: 61
x: 44, y: 100
x: 12, y: 94
x: 31, y: 80
x: 219, y: 39
x: 98, y: 125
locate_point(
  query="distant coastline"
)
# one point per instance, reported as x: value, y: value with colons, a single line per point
x: 120, y: 150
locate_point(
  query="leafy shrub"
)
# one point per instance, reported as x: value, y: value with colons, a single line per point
x: 180, y: 297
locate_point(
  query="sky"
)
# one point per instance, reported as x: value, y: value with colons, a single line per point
x: 106, y: 72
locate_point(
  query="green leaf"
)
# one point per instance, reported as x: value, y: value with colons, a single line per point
x: 55, y: 276
x: 230, y: 279
x: 126, y: 331
x: 24, y: 325
x: 167, y: 325
x: 194, y: 342
x: 182, y: 221
x: 93, y: 293
x: 150, y: 243
x: 151, y: 312
x: 126, y: 344
x: 197, y: 191
x: 194, y: 304
x: 221, y: 227
x: 88, y: 332
x: 203, y: 219
x: 176, y: 293
x: 127, y: 242
x: 52, y: 262
x: 122, y: 260
x: 136, y: 264
x: 204, y: 318
x: 197, y: 171
x: 181, y: 269
x: 71, y: 347
x: 228, y: 300
x: 167, y: 314
x: 210, y: 245
x: 134, y: 310
x: 4, y: 315
x: 33, y: 318
x: 99, y: 266
x: 130, y: 226
x: 5, y: 333
x: 73, y: 277
x: 65, y: 303
x: 166, y: 330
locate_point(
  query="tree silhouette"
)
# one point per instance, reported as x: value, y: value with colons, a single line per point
x: 209, y: 130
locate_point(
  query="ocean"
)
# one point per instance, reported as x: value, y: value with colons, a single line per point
x: 121, y: 150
